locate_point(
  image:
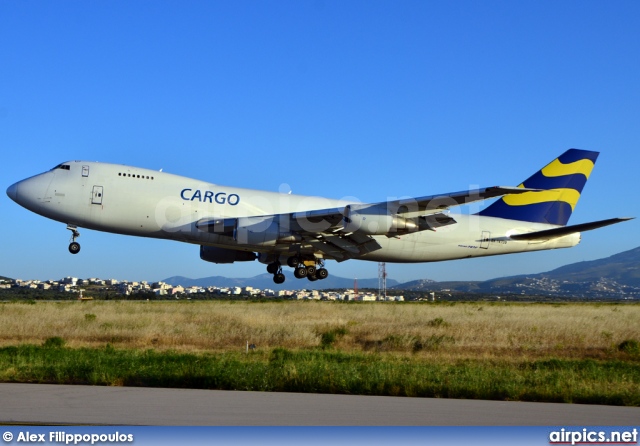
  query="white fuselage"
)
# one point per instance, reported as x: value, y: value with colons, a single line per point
x: 141, y: 202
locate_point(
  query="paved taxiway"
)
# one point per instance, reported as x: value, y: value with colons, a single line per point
x: 62, y: 404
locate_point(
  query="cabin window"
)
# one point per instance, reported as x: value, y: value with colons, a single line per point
x: 122, y: 174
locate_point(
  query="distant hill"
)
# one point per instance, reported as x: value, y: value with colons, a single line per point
x: 624, y: 268
x: 419, y: 285
x: 614, y: 276
x: 265, y: 281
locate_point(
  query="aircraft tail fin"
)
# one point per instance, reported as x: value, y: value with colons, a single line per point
x: 562, y: 182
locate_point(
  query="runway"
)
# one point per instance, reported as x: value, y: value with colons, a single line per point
x: 92, y: 405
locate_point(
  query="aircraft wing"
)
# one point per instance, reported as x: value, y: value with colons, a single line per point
x: 345, y: 232
x: 319, y: 230
x: 411, y: 207
x: 444, y: 201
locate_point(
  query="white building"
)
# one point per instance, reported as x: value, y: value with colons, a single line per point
x: 70, y: 281
x: 176, y: 289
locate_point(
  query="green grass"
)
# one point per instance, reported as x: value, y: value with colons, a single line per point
x: 590, y: 381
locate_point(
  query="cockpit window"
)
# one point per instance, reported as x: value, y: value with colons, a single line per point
x: 62, y: 166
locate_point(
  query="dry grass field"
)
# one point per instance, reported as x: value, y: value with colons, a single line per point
x: 443, y: 331
x: 579, y: 353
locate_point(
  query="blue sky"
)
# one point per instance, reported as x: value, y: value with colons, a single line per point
x: 370, y: 99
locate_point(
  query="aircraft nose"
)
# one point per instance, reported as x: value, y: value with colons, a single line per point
x: 12, y: 192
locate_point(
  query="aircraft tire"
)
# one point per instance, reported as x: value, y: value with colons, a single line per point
x: 300, y: 272
x: 74, y: 247
x: 272, y: 268
x: 312, y: 278
x: 322, y: 273
x: 278, y: 278
x: 293, y: 262
x: 311, y: 270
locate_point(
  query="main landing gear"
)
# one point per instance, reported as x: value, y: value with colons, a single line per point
x: 74, y: 247
x: 301, y: 268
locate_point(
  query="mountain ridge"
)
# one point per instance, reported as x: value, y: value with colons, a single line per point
x: 618, y: 274
x: 265, y: 281
x: 613, y: 275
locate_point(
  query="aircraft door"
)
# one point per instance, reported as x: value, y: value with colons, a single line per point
x: 484, y: 240
x: 96, y: 196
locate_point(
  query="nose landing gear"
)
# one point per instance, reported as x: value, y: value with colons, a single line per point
x: 74, y: 247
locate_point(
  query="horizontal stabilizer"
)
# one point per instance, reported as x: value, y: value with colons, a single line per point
x: 566, y: 230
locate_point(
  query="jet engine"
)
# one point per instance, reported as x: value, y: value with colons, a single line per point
x: 255, y: 231
x: 223, y: 255
x: 377, y: 220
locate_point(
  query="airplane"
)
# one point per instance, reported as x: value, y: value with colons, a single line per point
x: 239, y: 225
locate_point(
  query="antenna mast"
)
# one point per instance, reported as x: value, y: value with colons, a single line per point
x: 355, y: 289
x: 382, y: 281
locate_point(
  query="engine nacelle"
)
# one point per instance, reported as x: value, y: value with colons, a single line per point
x: 222, y: 255
x: 262, y: 231
x: 377, y: 220
x: 254, y: 231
